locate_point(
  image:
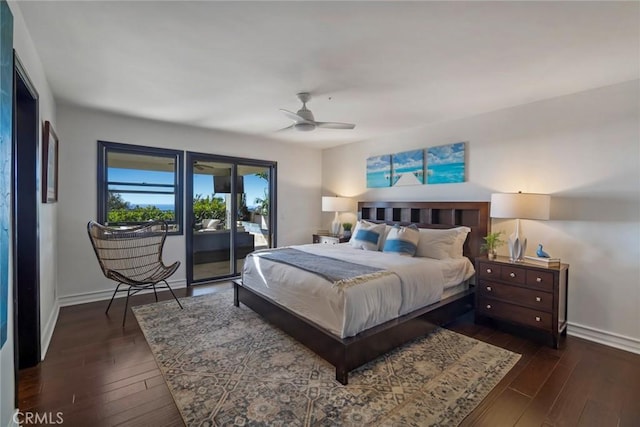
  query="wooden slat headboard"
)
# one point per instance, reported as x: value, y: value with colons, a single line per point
x: 474, y: 215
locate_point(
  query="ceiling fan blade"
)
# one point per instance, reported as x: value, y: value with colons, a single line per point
x: 287, y: 128
x: 295, y: 117
x: 199, y: 165
x: 335, y: 125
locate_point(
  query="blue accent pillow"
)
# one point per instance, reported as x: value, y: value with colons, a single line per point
x: 402, y: 240
x: 367, y: 236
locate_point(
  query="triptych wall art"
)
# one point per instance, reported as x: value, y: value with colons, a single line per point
x: 443, y: 164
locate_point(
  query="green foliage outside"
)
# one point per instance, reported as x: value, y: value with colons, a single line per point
x: 139, y: 214
x: 119, y: 211
x: 209, y: 208
x: 263, y: 204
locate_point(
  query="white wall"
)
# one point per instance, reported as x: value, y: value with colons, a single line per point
x: 584, y: 150
x: 28, y: 55
x: 79, y: 276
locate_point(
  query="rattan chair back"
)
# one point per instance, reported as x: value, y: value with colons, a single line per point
x: 132, y: 256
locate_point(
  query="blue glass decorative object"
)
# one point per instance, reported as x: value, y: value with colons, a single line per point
x: 541, y: 253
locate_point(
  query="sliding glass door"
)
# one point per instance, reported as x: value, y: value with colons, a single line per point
x: 231, y: 208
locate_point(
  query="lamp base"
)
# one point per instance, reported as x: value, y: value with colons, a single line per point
x: 335, y: 226
x: 517, y: 248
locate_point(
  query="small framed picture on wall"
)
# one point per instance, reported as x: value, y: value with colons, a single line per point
x: 49, y: 164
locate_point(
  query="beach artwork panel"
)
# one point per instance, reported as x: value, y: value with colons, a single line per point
x: 379, y: 171
x: 408, y: 168
x: 446, y: 164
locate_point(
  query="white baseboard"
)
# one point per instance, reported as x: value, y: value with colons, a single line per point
x: 86, y: 297
x: 47, y: 333
x: 604, y: 337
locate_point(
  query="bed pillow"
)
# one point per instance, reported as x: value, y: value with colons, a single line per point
x: 458, y: 246
x: 367, y: 236
x: 357, y: 227
x: 402, y: 240
x: 442, y: 243
x: 383, y: 239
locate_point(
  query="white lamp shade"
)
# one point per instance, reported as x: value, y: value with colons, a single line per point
x: 520, y: 205
x: 336, y: 204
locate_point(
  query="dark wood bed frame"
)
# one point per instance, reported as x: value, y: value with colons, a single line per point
x: 349, y: 353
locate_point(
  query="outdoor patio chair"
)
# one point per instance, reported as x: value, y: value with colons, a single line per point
x: 133, y: 257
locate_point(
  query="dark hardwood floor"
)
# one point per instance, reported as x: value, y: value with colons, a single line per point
x: 98, y: 374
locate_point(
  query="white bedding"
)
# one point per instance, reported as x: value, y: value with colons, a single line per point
x: 417, y: 282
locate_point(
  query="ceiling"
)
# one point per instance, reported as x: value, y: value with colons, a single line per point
x: 385, y: 66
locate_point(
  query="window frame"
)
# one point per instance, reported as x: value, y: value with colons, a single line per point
x: 106, y: 147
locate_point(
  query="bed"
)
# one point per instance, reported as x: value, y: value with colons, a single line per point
x: 403, y: 309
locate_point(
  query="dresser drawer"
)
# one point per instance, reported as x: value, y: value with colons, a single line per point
x: 488, y: 271
x: 514, y: 275
x: 525, y: 316
x: 520, y: 296
x: 540, y: 280
x: 329, y: 240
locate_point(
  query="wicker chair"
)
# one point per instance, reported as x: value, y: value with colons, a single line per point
x: 132, y: 257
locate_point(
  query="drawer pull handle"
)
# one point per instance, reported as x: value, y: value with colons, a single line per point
x: 538, y: 299
x: 489, y: 288
x: 537, y: 318
x: 489, y: 306
x: 512, y: 274
x: 489, y: 270
x: 538, y: 279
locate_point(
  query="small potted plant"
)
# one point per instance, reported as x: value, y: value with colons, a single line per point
x: 347, y: 229
x: 492, y: 241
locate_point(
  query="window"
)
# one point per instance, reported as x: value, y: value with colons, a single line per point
x: 138, y: 184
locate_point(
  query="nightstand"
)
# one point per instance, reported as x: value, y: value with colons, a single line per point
x: 331, y: 240
x: 524, y: 294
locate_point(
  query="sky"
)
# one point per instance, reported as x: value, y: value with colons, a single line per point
x: 203, y: 184
x: 443, y: 154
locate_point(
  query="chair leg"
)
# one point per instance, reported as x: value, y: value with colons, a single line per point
x: 126, y: 307
x: 174, y: 295
x: 112, y: 296
x: 154, y: 292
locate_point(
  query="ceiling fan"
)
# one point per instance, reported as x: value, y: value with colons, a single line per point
x: 304, y: 120
x: 201, y: 166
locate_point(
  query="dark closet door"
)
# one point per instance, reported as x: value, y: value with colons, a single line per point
x: 26, y: 254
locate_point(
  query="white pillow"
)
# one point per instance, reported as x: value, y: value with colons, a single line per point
x: 357, y: 227
x: 383, y: 239
x: 367, y: 236
x: 402, y: 240
x: 458, y: 247
x: 442, y: 243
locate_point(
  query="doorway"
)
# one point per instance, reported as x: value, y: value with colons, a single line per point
x: 231, y: 212
x: 26, y: 253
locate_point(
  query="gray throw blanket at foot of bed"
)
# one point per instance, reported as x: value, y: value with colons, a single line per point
x: 342, y: 274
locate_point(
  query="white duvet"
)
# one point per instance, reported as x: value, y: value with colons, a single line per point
x: 417, y: 282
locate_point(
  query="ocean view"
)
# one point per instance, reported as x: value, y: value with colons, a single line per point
x: 445, y: 173
x: 162, y: 207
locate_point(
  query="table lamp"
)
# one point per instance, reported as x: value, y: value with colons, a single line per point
x: 335, y: 204
x: 519, y: 206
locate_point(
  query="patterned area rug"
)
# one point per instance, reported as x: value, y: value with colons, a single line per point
x: 226, y: 366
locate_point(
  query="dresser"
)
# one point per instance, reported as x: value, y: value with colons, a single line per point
x: 523, y: 294
x: 331, y: 240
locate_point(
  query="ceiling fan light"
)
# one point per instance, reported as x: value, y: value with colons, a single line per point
x: 304, y: 127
